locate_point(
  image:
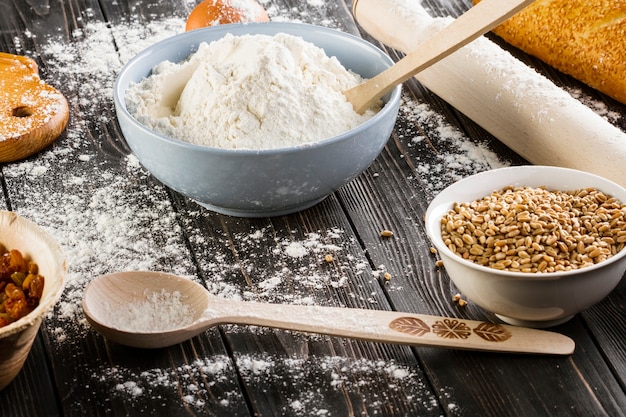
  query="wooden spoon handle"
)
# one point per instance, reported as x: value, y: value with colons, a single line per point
x: 396, y: 327
x: 475, y: 22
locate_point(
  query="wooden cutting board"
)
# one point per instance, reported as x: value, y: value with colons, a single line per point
x: 32, y: 113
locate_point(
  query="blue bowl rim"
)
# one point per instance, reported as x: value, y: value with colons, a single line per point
x: 394, y: 97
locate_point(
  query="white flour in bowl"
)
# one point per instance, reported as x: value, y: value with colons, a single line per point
x: 248, y: 92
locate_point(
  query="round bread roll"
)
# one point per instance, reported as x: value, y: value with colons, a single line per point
x: 32, y: 113
x: 221, y: 12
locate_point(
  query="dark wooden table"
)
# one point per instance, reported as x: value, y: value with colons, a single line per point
x: 109, y: 215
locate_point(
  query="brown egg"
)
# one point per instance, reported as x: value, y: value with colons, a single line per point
x: 217, y: 12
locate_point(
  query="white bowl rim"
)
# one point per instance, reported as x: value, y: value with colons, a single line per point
x: 121, y: 105
x: 544, y: 276
x: 44, y: 305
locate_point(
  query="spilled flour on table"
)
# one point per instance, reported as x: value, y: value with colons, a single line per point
x: 317, y: 12
x: 315, y: 377
x: 104, y: 227
x: 298, y: 270
x: 599, y: 107
x: 460, y: 156
x: 334, y: 376
x: 200, y: 376
x: 111, y: 216
x: 101, y: 228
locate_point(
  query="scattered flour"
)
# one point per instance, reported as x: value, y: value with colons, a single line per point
x: 318, y: 377
x: 316, y: 3
x: 318, y: 12
x: 103, y: 227
x: 248, y: 92
x: 120, y: 220
x: 600, y: 107
x: 458, y: 156
x: 201, y: 375
x: 298, y: 274
x: 314, y: 379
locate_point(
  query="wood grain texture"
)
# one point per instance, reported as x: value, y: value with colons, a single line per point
x: 267, y: 372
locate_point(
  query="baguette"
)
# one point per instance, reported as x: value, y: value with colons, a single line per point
x: 583, y: 38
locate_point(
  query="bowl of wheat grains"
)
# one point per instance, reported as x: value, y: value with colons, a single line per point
x: 532, y: 244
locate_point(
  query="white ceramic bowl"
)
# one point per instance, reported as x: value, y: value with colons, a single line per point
x: 253, y: 183
x: 36, y: 245
x: 527, y: 299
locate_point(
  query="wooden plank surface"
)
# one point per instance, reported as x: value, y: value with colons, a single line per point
x: 109, y: 214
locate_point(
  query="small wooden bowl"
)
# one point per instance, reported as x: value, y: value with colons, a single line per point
x: 35, y: 244
x: 32, y: 113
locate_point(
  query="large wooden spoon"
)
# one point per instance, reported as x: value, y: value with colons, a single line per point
x: 477, y: 21
x: 154, y: 309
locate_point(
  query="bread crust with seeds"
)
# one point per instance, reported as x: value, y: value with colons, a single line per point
x: 583, y: 38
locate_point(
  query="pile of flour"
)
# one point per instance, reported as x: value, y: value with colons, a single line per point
x: 158, y: 312
x: 248, y: 92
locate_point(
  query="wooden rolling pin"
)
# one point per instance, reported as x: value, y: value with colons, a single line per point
x: 520, y: 107
x: 32, y: 113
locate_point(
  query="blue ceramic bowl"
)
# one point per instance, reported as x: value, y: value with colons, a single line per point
x: 259, y: 183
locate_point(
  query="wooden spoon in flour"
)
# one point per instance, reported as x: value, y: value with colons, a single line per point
x: 32, y: 113
x: 469, y: 26
x: 154, y: 309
